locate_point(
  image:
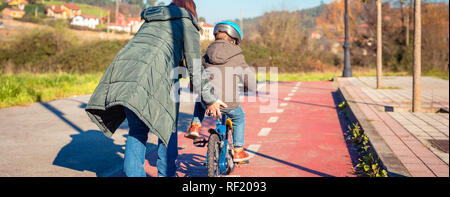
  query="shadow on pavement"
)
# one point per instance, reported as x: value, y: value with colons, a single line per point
x: 290, y: 164
x: 303, y: 103
x: 88, y: 150
x: 345, y: 122
x: 190, y: 165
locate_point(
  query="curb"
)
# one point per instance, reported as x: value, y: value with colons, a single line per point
x: 389, y: 160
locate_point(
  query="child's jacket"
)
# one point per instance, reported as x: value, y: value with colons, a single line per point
x: 225, y: 66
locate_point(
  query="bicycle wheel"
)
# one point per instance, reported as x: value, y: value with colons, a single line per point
x: 213, y: 156
x: 230, y: 147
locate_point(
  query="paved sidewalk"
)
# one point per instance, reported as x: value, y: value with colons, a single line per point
x: 409, y: 144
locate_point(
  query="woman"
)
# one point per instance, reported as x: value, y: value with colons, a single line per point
x: 139, y: 82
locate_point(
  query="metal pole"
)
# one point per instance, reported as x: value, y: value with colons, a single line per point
x: 417, y: 67
x: 347, y: 66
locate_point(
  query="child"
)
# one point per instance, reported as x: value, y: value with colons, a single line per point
x: 226, y: 66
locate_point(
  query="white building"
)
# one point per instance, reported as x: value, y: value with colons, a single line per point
x: 116, y: 27
x: 86, y: 21
x: 134, y: 24
x: 207, y: 32
x: 316, y: 35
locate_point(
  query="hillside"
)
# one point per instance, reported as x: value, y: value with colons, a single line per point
x: 85, y: 8
x: 99, y: 8
x: 307, y: 19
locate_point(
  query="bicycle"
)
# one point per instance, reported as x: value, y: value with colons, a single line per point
x: 219, y: 156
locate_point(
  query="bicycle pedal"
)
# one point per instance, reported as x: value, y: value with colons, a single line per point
x: 200, y: 142
x: 243, y: 163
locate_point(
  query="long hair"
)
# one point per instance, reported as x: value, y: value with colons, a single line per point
x: 189, y: 5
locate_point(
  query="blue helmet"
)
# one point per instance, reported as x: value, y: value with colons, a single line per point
x: 232, y: 29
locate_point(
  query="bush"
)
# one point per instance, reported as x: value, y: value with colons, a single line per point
x: 279, y: 40
x: 56, y: 50
x: 91, y: 57
x: 31, y: 51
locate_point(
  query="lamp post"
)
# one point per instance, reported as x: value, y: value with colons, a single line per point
x: 347, y: 66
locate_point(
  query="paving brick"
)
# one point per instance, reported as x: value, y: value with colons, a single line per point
x: 406, y: 133
x: 410, y: 160
x: 432, y: 160
x: 419, y: 170
x: 440, y: 170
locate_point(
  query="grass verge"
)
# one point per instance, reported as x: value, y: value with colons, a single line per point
x: 327, y: 76
x: 24, y: 89
x: 28, y: 88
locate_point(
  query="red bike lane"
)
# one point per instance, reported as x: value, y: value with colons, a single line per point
x: 302, y: 138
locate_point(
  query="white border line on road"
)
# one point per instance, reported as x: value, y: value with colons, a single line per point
x: 272, y: 119
x: 260, y: 86
x: 264, y: 131
x: 254, y: 149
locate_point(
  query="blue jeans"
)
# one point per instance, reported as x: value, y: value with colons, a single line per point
x: 136, y: 147
x: 236, y: 115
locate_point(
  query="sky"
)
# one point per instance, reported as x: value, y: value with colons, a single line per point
x: 218, y: 10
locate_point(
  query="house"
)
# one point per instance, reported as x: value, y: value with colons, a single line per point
x: 207, y: 32
x: 116, y: 27
x: 316, y: 35
x: 13, y: 13
x: 66, y: 11
x: 85, y: 21
x: 56, y: 11
x: 134, y: 24
x: 130, y: 25
x: 73, y: 10
x: 18, y: 3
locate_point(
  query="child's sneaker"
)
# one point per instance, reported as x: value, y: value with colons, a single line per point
x: 240, y: 156
x: 193, y: 131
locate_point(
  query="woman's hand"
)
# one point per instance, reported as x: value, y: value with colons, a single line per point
x: 214, y: 109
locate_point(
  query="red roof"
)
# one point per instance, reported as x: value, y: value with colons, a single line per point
x: 10, y: 10
x: 89, y: 16
x: 364, y: 26
x: 55, y: 8
x: 138, y: 19
x: 204, y: 24
x: 72, y: 6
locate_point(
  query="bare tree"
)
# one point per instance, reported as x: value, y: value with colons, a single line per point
x: 379, y: 41
x: 117, y: 11
x: 408, y: 24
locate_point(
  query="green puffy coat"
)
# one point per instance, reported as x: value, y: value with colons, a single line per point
x: 142, y: 78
